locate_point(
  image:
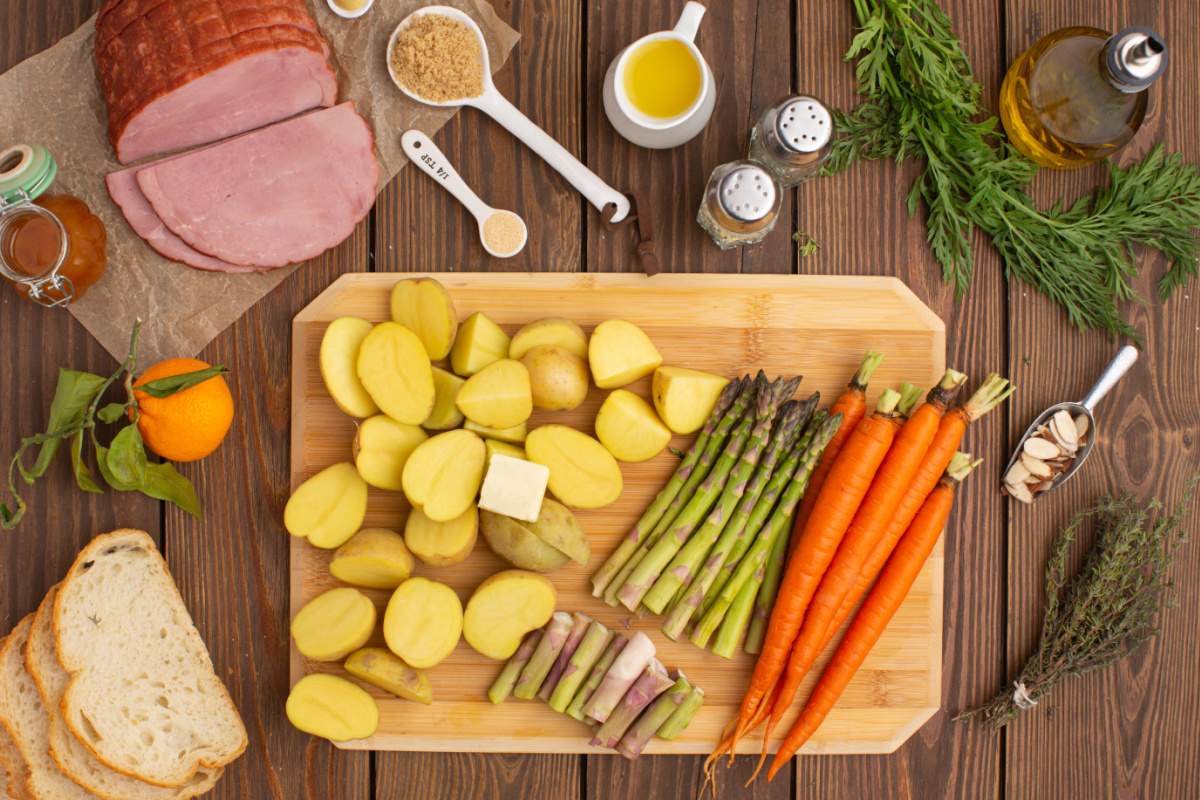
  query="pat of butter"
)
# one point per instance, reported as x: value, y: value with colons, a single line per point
x: 514, y: 487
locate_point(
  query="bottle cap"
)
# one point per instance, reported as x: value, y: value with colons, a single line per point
x: 26, y: 172
x: 748, y: 193
x: 1135, y: 57
x: 803, y: 124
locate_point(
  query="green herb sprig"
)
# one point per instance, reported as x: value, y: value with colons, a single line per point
x: 1108, y: 609
x: 123, y: 463
x: 923, y: 102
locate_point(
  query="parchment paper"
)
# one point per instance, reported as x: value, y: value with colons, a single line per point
x: 53, y: 99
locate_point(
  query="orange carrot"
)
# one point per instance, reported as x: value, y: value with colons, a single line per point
x: 878, y: 507
x: 852, y: 405
x: 878, y: 609
x: 847, y: 484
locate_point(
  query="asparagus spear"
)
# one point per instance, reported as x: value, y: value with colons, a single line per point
x: 503, y: 685
x: 711, y: 451
x: 635, y: 739
x: 590, y: 648
x: 677, y: 723
x: 684, y: 565
x: 598, y: 671
x: 650, y: 684
x: 781, y: 519
x: 655, y: 511
x: 766, y: 595
x: 579, y: 627
x: 765, y: 488
x: 620, y: 676
x: 737, y: 618
x: 543, y: 657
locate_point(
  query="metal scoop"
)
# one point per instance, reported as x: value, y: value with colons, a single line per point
x: 1115, y: 370
x: 497, y: 106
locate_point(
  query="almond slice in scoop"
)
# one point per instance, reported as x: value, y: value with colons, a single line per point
x: 1063, y: 428
x: 1035, y: 467
x: 1020, y: 492
x: 1041, y: 449
x: 1017, y: 473
x: 1082, y: 423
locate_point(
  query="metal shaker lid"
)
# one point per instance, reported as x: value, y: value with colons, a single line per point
x: 803, y: 124
x: 1135, y: 58
x: 748, y: 193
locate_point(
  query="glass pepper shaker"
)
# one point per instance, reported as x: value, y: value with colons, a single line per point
x: 741, y: 204
x: 792, y: 139
x: 52, y: 248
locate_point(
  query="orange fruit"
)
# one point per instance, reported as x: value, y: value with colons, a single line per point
x: 190, y: 424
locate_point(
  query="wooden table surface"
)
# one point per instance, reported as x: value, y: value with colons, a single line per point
x: 1128, y: 732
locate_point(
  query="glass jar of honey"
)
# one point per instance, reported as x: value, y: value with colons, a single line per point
x: 52, y: 247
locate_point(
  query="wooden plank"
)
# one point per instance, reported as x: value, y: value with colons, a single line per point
x: 1126, y: 731
x: 859, y: 221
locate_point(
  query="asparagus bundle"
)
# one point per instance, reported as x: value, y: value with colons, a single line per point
x: 585, y: 656
x: 737, y: 618
x: 650, y: 684
x: 639, y: 734
x: 599, y: 670
x: 542, y: 660
x: 766, y: 596
x: 579, y: 627
x: 682, y: 717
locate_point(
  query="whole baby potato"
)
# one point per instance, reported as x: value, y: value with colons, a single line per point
x: 518, y: 545
x: 558, y: 377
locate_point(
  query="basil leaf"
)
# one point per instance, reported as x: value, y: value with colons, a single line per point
x: 72, y: 396
x: 165, y: 387
x: 163, y: 482
x: 127, y: 458
x: 111, y: 413
x: 83, y: 474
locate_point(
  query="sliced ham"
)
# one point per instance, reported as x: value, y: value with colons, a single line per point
x: 276, y: 196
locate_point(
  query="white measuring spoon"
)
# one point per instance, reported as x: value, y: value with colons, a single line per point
x: 421, y: 150
x: 497, y: 106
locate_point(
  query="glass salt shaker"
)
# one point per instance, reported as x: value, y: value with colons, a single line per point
x: 741, y: 204
x: 792, y: 139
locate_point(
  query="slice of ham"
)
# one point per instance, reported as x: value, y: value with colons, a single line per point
x: 276, y: 196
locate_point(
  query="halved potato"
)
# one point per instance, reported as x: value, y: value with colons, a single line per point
x: 381, y: 447
x: 629, y: 428
x: 441, y: 544
x: 619, y: 353
x: 552, y: 331
x: 497, y: 447
x: 339, y: 366
x: 558, y: 527
x: 514, y: 435
x: 504, y: 608
x: 375, y: 558
x: 443, y: 475
x: 329, y: 507
x: 332, y: 707
x: 516, y: 543
x: 445, y: 414
x: 480, y: 342
x: 395, y: 370
x: 583, y: 473
x: 382, y: 668
x: 557, y: 377
x: 498, y: 396
x: 685, y: 397
x: 423, y: 622
x: 334, y: 624
x: 424, y: 306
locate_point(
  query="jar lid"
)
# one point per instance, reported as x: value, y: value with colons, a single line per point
x: 747, y: 193
x: 26, y: 172
x: 804, y: 124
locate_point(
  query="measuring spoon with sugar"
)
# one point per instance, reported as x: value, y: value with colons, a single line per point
x: 502, y: 233
x: 499, y: 108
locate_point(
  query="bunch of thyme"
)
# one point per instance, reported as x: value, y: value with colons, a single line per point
x: 1107, y: 610
x: 923, y: 102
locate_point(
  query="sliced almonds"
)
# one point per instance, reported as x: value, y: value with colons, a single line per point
x: 1047, y: 453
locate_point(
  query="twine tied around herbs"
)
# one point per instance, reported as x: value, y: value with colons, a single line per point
x: 1021, y: 697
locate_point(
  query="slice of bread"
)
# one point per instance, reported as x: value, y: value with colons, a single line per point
x: 142, y: 694
x: 14, y: 785
x: 72, y: 758
x: 26, y: 721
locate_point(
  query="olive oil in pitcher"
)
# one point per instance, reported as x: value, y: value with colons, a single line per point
x: 1079, y: 94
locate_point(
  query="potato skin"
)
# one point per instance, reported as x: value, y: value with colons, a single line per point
x: 558, y: 527
x: 383, y: 668
x: 558, y: 378
x: 513, y: 541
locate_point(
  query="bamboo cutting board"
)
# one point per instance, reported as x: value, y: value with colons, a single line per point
x: 728, y: 324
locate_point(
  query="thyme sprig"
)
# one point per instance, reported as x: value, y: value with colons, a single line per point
x: 1108, y: 609
x: 923, y: 102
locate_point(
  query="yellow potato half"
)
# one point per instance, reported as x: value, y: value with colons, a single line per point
x: 333, y: 708
x: 443, y: 475
x: 504, y: 608
x: 334, y: 624
x: 441, y: 544
x: 514, y: 435
x: 376, y: 558
x: 619, y: 353
x: 583, y: 473
x: 497, y: 447
x: 329, y: 507
x: 445, y: 414
x: 423, y: 622
x: 480, y: 342
x: 498, y: 396
x: 629, y: 428
x: 553, y: 331
x: 685, y: 397
x: 380, y: 667
x: 424, y: 306
x: 395, y: 369
x: 558, y: 377
x: 381, y: 447
x: 339, y: 366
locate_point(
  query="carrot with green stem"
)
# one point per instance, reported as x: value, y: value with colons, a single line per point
x: 878, y: 609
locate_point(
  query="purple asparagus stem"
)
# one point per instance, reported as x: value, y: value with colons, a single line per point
x: 578, y: 629
x: 650, y: 684
x: 621, y: 675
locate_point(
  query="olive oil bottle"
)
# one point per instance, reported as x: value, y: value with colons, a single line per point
x: 1079, y: 94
